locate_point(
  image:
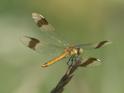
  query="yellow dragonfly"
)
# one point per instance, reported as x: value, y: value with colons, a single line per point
x: 48, y: 40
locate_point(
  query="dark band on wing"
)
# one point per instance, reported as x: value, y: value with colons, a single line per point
x: 89, y: 61
x: 33, y: 42
x: 101, y: 44
x: 42, y: 22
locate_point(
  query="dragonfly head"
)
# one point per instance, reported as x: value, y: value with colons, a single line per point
x: 74, y: 50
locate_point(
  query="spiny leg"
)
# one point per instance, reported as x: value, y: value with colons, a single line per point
x: 72, y: 60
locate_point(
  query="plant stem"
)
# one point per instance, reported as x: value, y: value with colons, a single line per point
x: 69, y: 74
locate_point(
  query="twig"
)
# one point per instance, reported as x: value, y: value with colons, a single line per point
x: 69, y: 74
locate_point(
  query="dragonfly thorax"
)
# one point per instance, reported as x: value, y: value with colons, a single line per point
x: 74, y: 50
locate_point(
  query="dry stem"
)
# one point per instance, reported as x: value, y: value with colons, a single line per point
x: 69, y: 74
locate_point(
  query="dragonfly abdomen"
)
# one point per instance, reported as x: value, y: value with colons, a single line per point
x: 56, y: 59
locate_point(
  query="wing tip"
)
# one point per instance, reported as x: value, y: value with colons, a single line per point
x: 42, y: 22
x: 36, y: 15
x: 24, y: 39
x: 102, y: 44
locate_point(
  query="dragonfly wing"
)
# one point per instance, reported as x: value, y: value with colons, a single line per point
x: 48, y: 29
x: 94, y: 45
x: 41, y: 22
x: 40, y: 46
x: 90, y: 62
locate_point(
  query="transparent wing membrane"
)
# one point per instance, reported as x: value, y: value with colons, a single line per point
x: 94, y: 45
x: 40, y: 46
x: 47, y: 29
x: 90, y: 62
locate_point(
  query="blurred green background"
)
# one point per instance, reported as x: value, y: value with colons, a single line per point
x: 78, y: 21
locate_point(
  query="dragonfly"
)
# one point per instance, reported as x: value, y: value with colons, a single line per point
x: 49, y: 40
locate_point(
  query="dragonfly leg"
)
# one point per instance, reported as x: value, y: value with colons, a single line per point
x: 68, y: 62
x: 72, y: 60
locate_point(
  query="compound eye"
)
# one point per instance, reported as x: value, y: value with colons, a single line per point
x: 79, y: 51
x: 75, y: 51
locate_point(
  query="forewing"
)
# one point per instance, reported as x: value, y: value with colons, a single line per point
x: 42, y: 23
x: 94, y: 45
x: 47, y: 29
x: 39, y: 45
